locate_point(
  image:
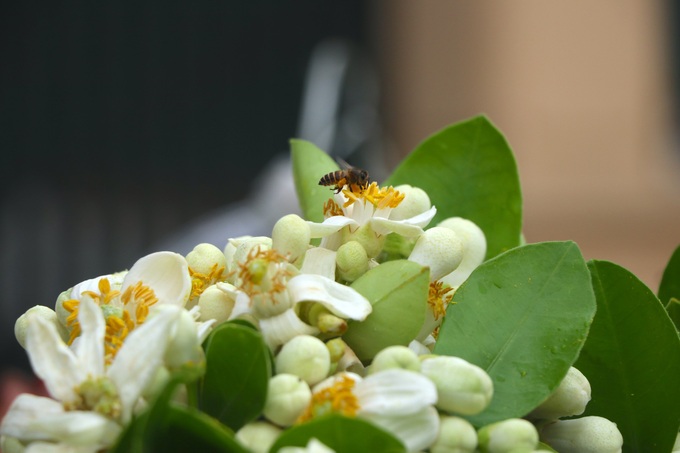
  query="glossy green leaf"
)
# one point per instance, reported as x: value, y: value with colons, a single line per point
x: 398, y: 292
x: 670, y: 280
x: 342, y: 434
x: 632, y: 360
x: 234, y: 388
x: 309, y: 165
x: 673, y: 310
x: 523, y: 317
x: 468, y: 170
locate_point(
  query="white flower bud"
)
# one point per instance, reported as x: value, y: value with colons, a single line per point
x: 304, y: 356
x: 42, y: 312
x: 474, y: 248
x: 569, y: 398
x: 508, y: 436
x: 365, y: 236
x: 415, y: 202
x: 351, y: 261
x: 216, y: 303
x: 456, y: 435
x: 440, y: 249
x: 463, y: 388
x: 183, y: 348
x: 287, y: 397
x: 395, y: 357
x: 204, y: 257
x: 258, y: 436
x: 590, y: 434
x: 290, y: 236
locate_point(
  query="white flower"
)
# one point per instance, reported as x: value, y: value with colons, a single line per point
x: 364, y: 215
x: 474, y: 248
x: 91, y: 399
x: 399, y: 401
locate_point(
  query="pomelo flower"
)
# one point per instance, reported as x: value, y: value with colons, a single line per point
x: 363, y: 214
x: 399, y: 401
x: 91, y: 398
x: 125, y: 298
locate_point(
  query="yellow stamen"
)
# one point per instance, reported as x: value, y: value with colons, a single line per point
x: 117, y: 329
x: 254, y: 273
x: 331, y: 208
x: 143, y: 296
x: 337, y: 398
x: 380, y: 197
x: 438, y: 298
x: 105, y: 295
x: 199, y: 281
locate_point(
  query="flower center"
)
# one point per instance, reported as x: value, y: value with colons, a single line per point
x: 264, y: 272
x: 338, y: 398
x: 98, y: 395
x: 199, y: 281
x: 380, y: 197
x: 438, y: 298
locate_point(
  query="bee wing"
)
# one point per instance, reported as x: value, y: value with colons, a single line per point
x: 343, y: 163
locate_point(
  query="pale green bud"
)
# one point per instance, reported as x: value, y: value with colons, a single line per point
x: 336, y: 348
x: 440, y: 249
x: 463, y: 388
x: 474, y: 248
x: 456, y: 435
x: 416, y: 201
x: 204, y: 257
x: 365, y: 236
x: 40, y: 311
x: 216, y: 303
x: 304, y: 356
x: 287, y: 397
x: 591, y: 434
x: 351, y: 261
x: 290, y: 236
x: 396, y: 356
x: 11, y: 445
x: 569, y: 398
x: 258, y: 436
x: 508, y: 436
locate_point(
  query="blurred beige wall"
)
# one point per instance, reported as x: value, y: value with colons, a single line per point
x: 581, y: 92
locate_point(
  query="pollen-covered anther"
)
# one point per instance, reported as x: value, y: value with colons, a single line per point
x: 439, y: 298
x: 117, y: 329
x: 257, y: 266
x: 331, y: 208
x: 143, y: 297
x: 338, y: 398
x: 200, y: 281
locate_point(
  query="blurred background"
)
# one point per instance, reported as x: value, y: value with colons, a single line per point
x: 130, y: 127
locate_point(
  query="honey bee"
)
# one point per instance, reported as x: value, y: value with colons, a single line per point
x: 350, y: 176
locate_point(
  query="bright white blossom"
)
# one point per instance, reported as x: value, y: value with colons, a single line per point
x: 399, y: 401
x: 91, y: 398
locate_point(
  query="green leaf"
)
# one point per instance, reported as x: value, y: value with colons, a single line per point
x: 469, y: 171
x: 398, y: 292
x: 673, y: 309
x: 234, y: 388
x: 309, y: 165
x: 670, y: 280
x: 342, y: 434
x: 523, y: 317
x: 632, y: 360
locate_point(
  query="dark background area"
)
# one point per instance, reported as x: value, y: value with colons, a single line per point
x: 122, y: 121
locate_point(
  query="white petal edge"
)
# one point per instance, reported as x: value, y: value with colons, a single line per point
x: 341, y: 300
x: 167, y: 273
x: 319, y: 261
x: 278, y: 329
x: 90, y: 347
x: 329, y: 226
x: 417, y: 431
x: 395, y: 391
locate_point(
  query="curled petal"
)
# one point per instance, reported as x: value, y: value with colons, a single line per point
x: 339, y: 299
x: 417, y: 431
x: 166, y: 273
x: 90, y: 345
x: 395, y: 391
x: 278, y: 329
x: 320, y: 261
x: 330, y: 225
x: 411, y: 227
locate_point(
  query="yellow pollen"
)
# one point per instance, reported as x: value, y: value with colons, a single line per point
x: 105, y: 295
x: 438, y: 298
x: 256, y: 267
x: 117, y: 329
x: 143, y: 297
x: 331, y: 208
x: 385, y: 197
x: 199, y: 281
x: 337, y: 398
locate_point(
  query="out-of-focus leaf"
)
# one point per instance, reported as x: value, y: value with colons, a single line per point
x: 398, y: 292
x: 469, y: 171
x: 632, y: 360
x: 234, y: 388
x: 523, y: 317
x: 309, y: 165
x: 669, y: 288
x: 342, y: 434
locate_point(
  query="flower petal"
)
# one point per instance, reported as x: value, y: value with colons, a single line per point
x: 341, y: 300
x: 52, y: 360
x: 90, y: 346
x: 417, y: 431
x: 167, y: 273
x: 330, y: 225
x: 141, y: 355
x: 280, y: 328
x: 319, y: 261
x: 408, y: 227
x: 395, y: 391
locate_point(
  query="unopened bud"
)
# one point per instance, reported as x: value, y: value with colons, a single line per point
x: 40, y: 311
x: 590, y: 434
x: 287, y: 397
x: 290, y: 236
x: 304, y: 356
x: 474, y: 248
x: 508, y: 436
x: 396, y: 356
x: 456, y: 435
x: 463, y: 388
x: 415, y: 202
x: 204, y: 257
x: 569, y: 398
x: 351, y: 261
x: 216, y: 303
x: 440, y: 249
x: 258, y: 436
